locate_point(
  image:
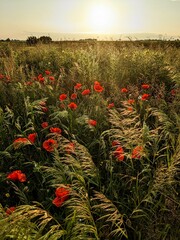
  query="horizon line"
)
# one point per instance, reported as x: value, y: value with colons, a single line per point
x: 96, y: 35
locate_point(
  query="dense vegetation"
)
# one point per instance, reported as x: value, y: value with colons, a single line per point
x: 89, y: 141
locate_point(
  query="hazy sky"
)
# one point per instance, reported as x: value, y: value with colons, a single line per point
x: 22, y: 18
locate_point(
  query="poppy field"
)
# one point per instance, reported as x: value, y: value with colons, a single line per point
x: 89, y: 142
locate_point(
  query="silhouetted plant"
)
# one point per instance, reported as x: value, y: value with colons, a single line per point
x: 32, y: 40
x: 45, y: 39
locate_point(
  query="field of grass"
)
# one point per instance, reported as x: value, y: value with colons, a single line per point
x: 89, y: 141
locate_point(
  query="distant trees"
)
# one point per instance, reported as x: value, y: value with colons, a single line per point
x: 88, y: 40
x: 45, y: 39
x: 34, y: 40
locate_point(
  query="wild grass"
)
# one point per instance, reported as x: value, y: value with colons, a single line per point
x: 113, y: 161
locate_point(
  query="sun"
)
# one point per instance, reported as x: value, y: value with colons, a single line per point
x: 101, y: 18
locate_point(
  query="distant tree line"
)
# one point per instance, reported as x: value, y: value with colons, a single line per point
x: 149, y: 43
x: 32, y: 40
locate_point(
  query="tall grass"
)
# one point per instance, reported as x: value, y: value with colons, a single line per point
x: 114, y: 152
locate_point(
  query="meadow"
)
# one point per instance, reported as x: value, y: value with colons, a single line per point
x: 89, y: 141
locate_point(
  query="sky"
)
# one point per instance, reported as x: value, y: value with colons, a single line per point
x: 22, y: 18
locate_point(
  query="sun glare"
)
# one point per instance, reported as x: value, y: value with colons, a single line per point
x: 101, y: 18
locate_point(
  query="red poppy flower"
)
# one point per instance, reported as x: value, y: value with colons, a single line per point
x: 40, y: 75
x: 49, y: 145
x: 78, y: 86
x: 145, y: 96
x: 55, y: 130
x: 17, y: 175
x: 51, y: 78
x: 98, y: 88
x: 44, y: 109
x: 97, y: 83
x: 32, y: 137
x: 13, y: 175
x: 62, y: 194
x: 1, y: 76
x: 70, y: 148
x: 137, y: 152
x: 44, y: 124
x: 28, y: 83
x: 72, y: 105
x: 22, y: 177
x: 131, y: 101
x: 62, y: 97
x: 92, y: 122
x: 119, y: 153
x: 10, y: 210
x: 86, y: 92
x: 173, y: 92
x: 47, y: 72
x: 8, y: 78
x: 124, y: 90
x: 41, y: 78
x: 20, y: 141
x: 130, y: 109
x: 115, y: 143
x: 57, y: 202
x: 145, y: 86
x: 110, y: 105
x: 73, y: 96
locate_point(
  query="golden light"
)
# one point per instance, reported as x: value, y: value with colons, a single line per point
x: 102, y: 18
